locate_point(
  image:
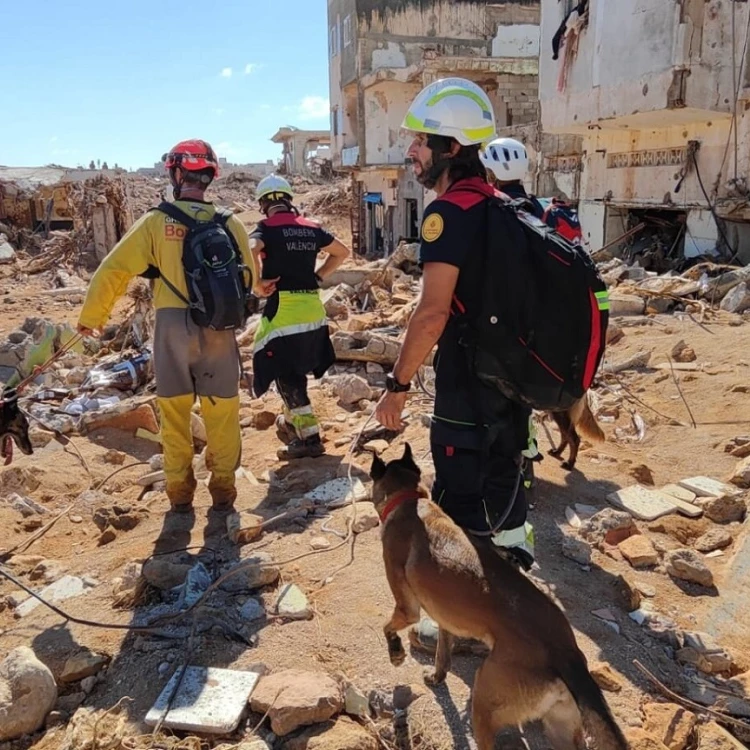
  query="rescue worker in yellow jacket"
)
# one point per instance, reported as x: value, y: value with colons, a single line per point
x: 292, y: 339
x: 189, y: 360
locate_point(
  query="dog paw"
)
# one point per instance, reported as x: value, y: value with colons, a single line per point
x: 554, y: 452
x: 432, y: 679
x: 396, y: 652
x: 568, y: 466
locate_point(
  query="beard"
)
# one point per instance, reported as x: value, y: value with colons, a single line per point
x: 428, y: 173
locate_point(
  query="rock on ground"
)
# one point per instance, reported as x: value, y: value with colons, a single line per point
x: 608, y: 525
x: 27, y: 693
x: 670, y: 723
x: 295, y: 698
x: 606, y: 677
x: 713, y: 540
x: 714, y: 737
x: 576, y: 549
x: 83, y: 664
x: 725, y: 509
x: 367, y: 517
x: 350, y: 389
x: 345, y: 734
x: 737, y: 300
x: 292, y: 603
x: 639, y: 551
x: 688, y: 565
x: 164, y: 574
x: 257, y: 571
x: 639, y: 739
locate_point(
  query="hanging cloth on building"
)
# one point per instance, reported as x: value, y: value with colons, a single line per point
x: 557, y: 39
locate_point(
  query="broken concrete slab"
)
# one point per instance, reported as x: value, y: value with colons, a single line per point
x: 643, y: 503
x: 209, y: 700
x: 338, y: 492
x: 365, y: 346
x: 708, y: 487
x: 66, y: 587
x: 682, y: 500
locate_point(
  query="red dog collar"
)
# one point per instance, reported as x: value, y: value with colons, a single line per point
x: 398, y: 499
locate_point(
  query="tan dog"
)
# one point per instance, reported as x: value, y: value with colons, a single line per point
x: 535, y: 669
x: 579, y: 416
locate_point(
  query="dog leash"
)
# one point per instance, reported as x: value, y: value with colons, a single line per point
x: 40, y: 369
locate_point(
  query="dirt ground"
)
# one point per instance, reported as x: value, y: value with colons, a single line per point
x: 350, y: 606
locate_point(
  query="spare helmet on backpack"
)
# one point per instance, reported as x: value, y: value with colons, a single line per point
x: 191, y: 156
x: 506, y: 158
x: 453, y: 107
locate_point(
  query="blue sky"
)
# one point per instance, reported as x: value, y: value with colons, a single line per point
x: 123, y: 81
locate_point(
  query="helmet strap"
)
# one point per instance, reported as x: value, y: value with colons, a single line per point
x: 176, y: 185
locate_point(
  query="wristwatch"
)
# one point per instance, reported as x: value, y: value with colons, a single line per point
x: 393, y: 386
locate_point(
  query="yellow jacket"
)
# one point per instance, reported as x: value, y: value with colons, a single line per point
x: 154, y: 240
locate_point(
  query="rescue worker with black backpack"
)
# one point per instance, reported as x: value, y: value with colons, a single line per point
x: 495, y: 284
x: 292, y: 339
x: 203, y: 270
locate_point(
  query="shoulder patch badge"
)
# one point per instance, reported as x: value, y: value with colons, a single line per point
x: 432, y: 227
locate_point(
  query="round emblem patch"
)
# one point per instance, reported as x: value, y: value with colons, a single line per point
x: 432, y: 227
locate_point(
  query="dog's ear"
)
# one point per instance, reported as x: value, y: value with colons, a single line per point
x: 377, y: 470
x: 408, y: 458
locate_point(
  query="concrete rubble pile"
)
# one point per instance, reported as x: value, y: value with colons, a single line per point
x: 71, y: 220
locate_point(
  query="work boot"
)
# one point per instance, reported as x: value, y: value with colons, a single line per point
x: 424, y: 637
x: 223, y: 494
x: 180, y: 495
x: 284, y: 431
x: 311, y: 447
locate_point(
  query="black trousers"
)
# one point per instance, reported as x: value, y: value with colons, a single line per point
x: 293, y: 390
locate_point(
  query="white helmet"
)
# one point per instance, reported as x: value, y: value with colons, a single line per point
x: 452, y: 107
x: 506, y: 158
x: 274, y: 187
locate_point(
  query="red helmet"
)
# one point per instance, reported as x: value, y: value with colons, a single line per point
x: 192, y: 156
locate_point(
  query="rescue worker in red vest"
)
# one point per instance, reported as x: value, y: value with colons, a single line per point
x: 189, y: 360
x: 292, y: 339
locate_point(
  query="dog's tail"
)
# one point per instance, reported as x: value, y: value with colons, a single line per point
x: 584, y: 420
x: 598, y: 721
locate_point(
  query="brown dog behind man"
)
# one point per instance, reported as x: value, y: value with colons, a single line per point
x: 535, y: 670
x: 579, y: 418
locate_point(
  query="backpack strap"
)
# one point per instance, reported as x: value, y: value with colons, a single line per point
x: 177, y: 214
x: 152, y: 272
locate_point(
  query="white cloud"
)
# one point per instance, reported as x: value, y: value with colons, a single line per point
x: 218, y: 111
x: 313, y: 108
x: 265, y: 106
x: 251, y: 68
x: 53, y: 139
x: 226, y: 72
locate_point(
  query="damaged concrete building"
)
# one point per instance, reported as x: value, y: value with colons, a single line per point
x: 302, y: 150
x: 657, y: 93
x: 380, y: 55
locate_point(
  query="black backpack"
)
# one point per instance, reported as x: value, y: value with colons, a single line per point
x: 214, y: 273
x: 540, y: 334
